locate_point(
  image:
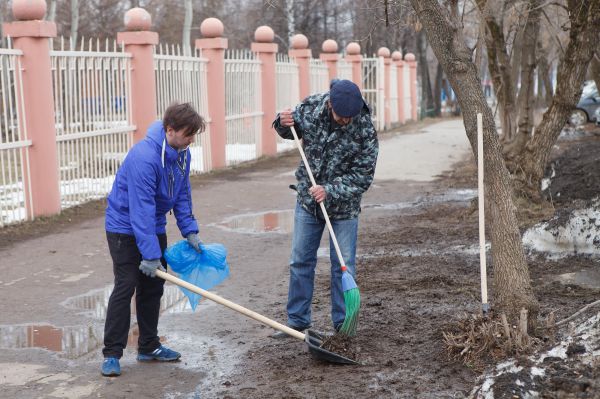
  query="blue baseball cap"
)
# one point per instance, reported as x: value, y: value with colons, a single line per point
x: 346, y: 98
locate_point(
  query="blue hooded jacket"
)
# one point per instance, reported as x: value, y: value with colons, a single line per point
x: 153, y: 179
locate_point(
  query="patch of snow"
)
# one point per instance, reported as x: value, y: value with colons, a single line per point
x: 537, y: 372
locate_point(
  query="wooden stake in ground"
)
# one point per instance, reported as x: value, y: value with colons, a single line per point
x: 485, y: 307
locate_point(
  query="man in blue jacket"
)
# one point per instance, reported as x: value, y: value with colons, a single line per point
x: 153, y: 180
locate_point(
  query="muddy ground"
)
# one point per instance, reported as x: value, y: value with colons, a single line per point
x: 418, y: 272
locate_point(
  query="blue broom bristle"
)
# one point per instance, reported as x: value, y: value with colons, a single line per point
x: 348, y: 282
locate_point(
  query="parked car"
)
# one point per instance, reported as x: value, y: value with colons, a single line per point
x: 588, y: 108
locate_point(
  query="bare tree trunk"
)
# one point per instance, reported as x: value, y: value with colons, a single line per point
x: 291, y: 25
x: 544, y: 71
x: 187, y: 27
x: 74, y: 23
x: 437, y: 91
x: 528, y: 63
x: 595, y: 68
x: 512, y: 286
x: 584, y: 16
x: 500, y: 69
x: 427, y: 105
x: 52, y: 11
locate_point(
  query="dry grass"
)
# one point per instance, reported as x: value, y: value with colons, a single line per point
x: 476, y: 341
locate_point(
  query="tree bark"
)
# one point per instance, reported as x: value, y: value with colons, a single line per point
x: 500, y: 68
x: 528, y: 59
x: 584, y: 34
x: 427, y: 105
x: 187, y: 27
x: 595, y: 67
x: 74, y: 23
x: 512, y: 287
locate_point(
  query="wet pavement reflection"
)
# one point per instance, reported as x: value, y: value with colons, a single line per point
x: 72, y: 342
x: 282, y: 222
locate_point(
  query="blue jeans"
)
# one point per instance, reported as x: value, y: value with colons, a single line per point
x: 308, y: 230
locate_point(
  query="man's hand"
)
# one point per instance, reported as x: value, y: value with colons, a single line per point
x: 148, y: 267
x: 285, y: 118
x: 194, y: 240
x: 318, y: 193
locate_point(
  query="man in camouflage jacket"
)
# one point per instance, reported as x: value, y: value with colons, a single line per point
x: 341, y: 146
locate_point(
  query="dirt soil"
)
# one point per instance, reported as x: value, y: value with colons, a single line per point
x: 418, y: 272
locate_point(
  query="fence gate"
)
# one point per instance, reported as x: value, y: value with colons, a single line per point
x: 184, y: 79
x: 15, y: 199
x: 93, y: 119
x: 373, y: 89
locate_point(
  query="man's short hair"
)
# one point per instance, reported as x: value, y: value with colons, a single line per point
x: 183, y: 116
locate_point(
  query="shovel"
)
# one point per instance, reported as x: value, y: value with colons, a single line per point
x: 313, y: 339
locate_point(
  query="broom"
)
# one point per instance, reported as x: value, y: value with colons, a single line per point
x: 351, y: 292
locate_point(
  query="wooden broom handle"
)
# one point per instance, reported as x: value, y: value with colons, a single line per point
x: 314, y: 183
x: 233, y: 306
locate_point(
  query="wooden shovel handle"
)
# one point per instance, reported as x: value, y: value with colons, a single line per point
x: 233, y: 306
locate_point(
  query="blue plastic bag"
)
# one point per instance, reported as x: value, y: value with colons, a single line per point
x: 204, y: 270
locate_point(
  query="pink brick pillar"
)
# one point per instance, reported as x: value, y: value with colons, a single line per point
x: 353, y: 56
x: 385, y: 53
x: 302, y: 55
x: 412, y: 65
x: 266, y: 50
x: 30, y: 35
x: 399, y: 65
x: 139, y: 41
x: 213, y: 48
x: 330, y: 57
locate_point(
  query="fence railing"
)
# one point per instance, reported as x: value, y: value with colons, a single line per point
x: 183, y: 78
x: 92, y: 113
x: 319, y: 76
x: 94, y: 86
x: 288, y: 92
x: 14, y: 145
x: 243, y: 113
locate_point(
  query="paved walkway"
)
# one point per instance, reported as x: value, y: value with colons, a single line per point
x: 55, y: 288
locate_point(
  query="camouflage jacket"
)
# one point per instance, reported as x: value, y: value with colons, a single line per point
x: 342, y: 158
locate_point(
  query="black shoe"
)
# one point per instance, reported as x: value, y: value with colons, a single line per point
x: 282, y: 335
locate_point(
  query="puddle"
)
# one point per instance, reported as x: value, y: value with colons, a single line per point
x: 577, y: 233
x: 584, y: 278
x: 282, y: 222
x: 73, y: 342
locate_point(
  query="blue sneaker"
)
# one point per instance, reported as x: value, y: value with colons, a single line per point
x: 162, y: 354
x: 111, y: 367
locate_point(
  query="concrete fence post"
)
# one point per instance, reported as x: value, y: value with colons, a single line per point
x: 302, y: 55
x: 31, y: 35
x: 412, y: 65
x: 266, y: 51
x: 330, y: 57
x: 213, y: 47
x: 387, y: 61
x: 139, y: 41
x: 353, y: 56
x: 399, y: 65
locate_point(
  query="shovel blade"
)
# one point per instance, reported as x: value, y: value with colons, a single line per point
x: 314, y: 341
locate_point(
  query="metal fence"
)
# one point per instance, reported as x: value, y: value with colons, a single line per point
x: 319, y: 76
x: 344, y: 70
x: 92, y: 111
x: 406, y: 94
x: 288, y: 91
x: 373, y: 89
x: 184, y: 79
x: 393, y: 100
x: 14, y: 145
x: 243, y: 114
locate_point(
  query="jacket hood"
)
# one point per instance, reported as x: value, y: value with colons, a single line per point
x: 156, y: 135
